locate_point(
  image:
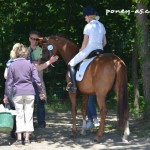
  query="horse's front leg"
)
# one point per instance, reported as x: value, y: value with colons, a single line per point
x: 84, y: 111
x: 74, y: 113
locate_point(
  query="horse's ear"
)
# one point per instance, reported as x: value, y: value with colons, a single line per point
x: 41, y: 38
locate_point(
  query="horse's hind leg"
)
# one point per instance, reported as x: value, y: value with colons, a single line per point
x: 103, y: 114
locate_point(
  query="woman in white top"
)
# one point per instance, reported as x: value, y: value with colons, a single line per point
x: 94, y: 38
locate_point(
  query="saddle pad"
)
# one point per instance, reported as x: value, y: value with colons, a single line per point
x: 83, y: 66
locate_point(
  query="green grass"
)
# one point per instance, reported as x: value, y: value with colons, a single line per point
x: 66, y: 105
x: 58, y: 106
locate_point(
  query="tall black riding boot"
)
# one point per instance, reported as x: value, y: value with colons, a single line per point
x: 73, y: 87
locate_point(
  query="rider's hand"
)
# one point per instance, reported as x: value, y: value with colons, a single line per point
x: 53, y: 59
x: 5, y: 100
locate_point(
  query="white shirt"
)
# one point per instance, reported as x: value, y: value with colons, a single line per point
x: 95, y: 30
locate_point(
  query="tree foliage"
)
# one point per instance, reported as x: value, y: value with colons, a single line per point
x: 64, y: 17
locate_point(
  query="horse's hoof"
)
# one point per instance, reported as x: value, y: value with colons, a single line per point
x: 125, y: 140
x: 97, y: 140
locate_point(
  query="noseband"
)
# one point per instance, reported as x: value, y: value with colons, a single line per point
x: 48, y: 47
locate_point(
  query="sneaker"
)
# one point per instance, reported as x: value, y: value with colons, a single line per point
x: 71, y: 88
x: 89, y: 125
x: 42, y: 126
x: 68, y: 86
x: 27, y: 142
x: 96, y: 123
x: 18, y: 143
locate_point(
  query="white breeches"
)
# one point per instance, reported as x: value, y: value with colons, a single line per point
x: 24, y: 108
x: 82, y: 55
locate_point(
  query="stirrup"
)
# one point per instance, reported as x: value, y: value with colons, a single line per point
x: 71, y: 88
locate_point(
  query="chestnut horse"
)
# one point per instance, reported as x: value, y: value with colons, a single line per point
x: 105, y: 72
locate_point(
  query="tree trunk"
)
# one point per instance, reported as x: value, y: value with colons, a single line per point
x: 144, y: 54
x: 69, y: 17
x: 135, y: 74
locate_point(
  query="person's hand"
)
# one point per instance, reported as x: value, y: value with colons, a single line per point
x: 53, y: 59
x: 42, y: 96
x: 5, y: 100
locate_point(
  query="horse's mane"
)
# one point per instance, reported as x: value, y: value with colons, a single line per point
x: 58, y: 36
x: 64, y: 46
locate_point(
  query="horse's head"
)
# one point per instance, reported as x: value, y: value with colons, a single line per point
x: 48, y: 46
x: 53, y: 44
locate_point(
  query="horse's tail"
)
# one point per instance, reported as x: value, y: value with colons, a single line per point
x: 121, y: 88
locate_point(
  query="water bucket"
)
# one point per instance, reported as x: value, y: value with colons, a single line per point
x: 6, y: 122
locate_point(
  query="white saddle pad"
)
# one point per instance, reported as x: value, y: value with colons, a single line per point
x: 83, y: 66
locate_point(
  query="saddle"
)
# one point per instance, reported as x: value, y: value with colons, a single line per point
x: 81, y: 67
x: 92, y: 54
x: 95, y: 53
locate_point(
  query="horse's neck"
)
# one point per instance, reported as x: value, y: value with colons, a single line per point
x: 68, y: 51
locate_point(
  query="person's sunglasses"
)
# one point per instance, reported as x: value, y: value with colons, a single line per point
x: 34, y: 39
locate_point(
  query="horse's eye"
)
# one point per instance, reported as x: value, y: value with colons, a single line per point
x: 50, y: 47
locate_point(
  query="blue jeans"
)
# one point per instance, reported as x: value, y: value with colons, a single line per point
x: 40, y: 107
x: 91, y: 108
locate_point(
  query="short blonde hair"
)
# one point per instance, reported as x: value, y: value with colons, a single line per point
x: 92, y: 17
x: 12, y: 54
x: 13, y: 51
x: 19, y: 50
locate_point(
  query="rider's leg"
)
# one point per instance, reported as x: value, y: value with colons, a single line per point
x: 92, y: 110
x: 73, y: 62
x: 73, y: 87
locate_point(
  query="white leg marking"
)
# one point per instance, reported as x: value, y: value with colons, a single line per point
x: 126, y: 133
x: 83, y: 131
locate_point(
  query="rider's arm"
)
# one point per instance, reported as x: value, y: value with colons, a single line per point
x: 104, y: 40
x: 85, y: 41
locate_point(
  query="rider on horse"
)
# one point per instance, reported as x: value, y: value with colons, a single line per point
x: 94, y: 38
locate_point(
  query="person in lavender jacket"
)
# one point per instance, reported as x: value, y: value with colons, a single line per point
x: 38, y: 67
x: 20, y: 75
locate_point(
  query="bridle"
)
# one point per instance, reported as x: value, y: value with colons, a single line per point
x: 48, y: 47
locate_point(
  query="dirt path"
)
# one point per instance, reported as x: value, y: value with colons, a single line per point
x: 56, y: 136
